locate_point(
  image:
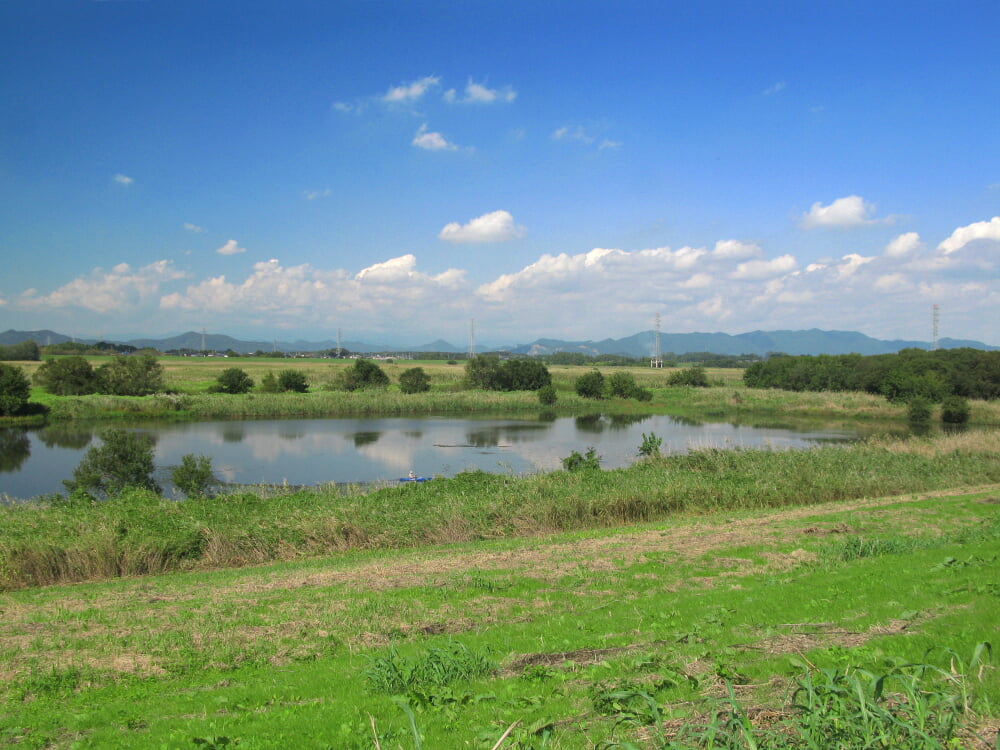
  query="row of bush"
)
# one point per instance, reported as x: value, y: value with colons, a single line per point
x: 908, y: 374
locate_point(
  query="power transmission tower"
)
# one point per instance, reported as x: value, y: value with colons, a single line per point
x: 340, y: 346
x: 472, y: 338
x: 934, y: 341
x: 657, y: 359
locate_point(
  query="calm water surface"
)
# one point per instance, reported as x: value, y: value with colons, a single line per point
x: 317, y: 451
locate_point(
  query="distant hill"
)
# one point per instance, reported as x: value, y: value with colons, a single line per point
x: 813, y: 341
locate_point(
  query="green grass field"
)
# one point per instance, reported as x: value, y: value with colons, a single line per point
x: 760, y: 628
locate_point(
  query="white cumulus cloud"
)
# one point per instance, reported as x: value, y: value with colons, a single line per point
x: 432, y: 141
x: 496, y: 226
x: 903, y: 245
x: 981, y: 230
x: 123, y: 179
x: 119, y: 290
x: 231, y: 248
x: 851, y: 211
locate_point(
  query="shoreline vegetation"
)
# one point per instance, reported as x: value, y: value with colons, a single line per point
x: 63, y: 539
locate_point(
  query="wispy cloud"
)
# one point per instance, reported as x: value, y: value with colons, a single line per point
x: 477, y: 93
x: 774, y: 88
x: 410, y: 92
x: 311, y: 195
x: 123, y: 179
x: 193, y: 228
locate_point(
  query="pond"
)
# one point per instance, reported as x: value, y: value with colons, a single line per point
x: 318, y: 451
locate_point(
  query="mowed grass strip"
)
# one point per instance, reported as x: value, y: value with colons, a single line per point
x: 628, y: 634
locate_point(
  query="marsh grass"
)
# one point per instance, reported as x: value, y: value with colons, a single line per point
x: 50, y: 541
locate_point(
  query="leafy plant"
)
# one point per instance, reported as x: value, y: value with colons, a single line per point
x: 124, y: 459
x: 650, y: 445
x: 194, y: 477
x: 576, y: 462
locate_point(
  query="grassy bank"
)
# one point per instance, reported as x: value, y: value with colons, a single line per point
x: 138, y: 534
x: 852, y: 624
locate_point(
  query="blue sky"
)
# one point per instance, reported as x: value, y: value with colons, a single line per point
x: 561, y: 169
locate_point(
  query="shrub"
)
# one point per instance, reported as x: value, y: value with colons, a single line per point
x: 14, y: 390
x: 269, y: 383
x: 691, y: 376
x: 233, y: 380
x: 650, y: 445
x: 623, y: 385
x: 124, y: 459
x: 547, y: 395
x: 524, y: 375
x: 590, y: 385
x: 67, y: 376
x: 955, y: 410
x: 134, y: 375
x: 575, y: 462
x: 414, y: 380
x: 918, y: 410
x: 292, y: 380
x: 359, y: 376
x: 194, y: 477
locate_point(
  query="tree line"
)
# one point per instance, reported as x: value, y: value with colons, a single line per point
x: 908, y: 374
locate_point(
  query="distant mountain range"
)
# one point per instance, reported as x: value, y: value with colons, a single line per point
x: 813, y: 341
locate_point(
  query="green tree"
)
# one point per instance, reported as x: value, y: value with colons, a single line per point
x: 590, y: 385
x: 67, y: 376
x: 25, y: 351
x: 524, y: 375
x: 194, y: 477
x: 414, y: 380
x: 233, y: 380
x: 484, y: 371
x: 131, y: 375
x: 361, y: 375
x: 293, y: 381
x: 14, y: 390
x: 124, y: 459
